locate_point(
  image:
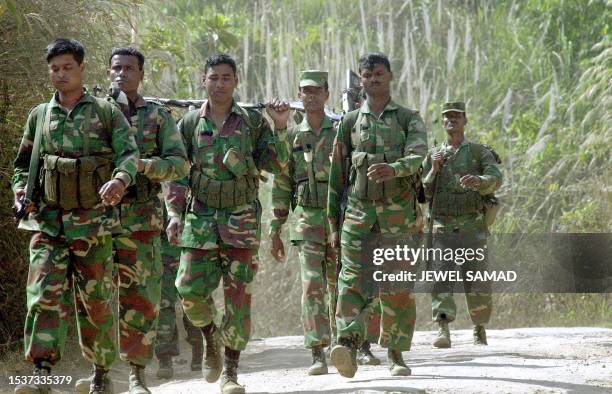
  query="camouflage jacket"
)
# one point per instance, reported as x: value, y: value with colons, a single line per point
x: 311, y: 223
x: 390, y: 131
x: 65, y: 131
x: 237, y: 226
x: 451, y: 211
x: 162, y: 149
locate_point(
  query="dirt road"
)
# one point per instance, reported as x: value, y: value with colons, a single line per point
x: 529, y: 360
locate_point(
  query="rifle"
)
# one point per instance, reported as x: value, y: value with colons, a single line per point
x: 351, y: 100
x: 432, y: 206
x: 294, y: 105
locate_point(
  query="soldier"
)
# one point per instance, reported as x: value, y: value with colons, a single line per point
x: 87, y: 159
x: 167, y: 333
x: 137, y: 246
x: 385, y: 145
x: 303, y: 186
x: 459, y: 174
x: 228, y: 146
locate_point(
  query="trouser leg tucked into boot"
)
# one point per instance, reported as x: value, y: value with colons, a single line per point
x: 86, y: 385
x: 197, y: 352
x: 213, y: 362
x: 344, y: 357
x: 42, y: 369
x: 165, y: 370
x: 319, y: 365
x: 443, y: 338
x: 480, y: 335
x: 365, y: 355
x: 137, y: 384
x: 396, y: 363
x: 229, y: 378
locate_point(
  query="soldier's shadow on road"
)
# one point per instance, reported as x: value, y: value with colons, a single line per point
x: 268, y: 359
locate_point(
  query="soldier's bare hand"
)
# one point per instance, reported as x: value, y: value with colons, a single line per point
x: 437, y: 161
x: 278, y: 249
x: 112, y: 192
x: 174, y: 230
x: 19, y: 194
x: 381, y: 172
x: 279, y: 112
x: 470, y: 181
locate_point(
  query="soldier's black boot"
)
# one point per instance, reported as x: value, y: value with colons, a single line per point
x: 480, y: 335
x: 100, y: 382
x: 443, y: 340
x: 365, y: 356
x: 42, y: 369
x: 229, y: 378
x: 396, y: 363
x: 197, y: 351
x: 137, y: 384
x: 83, y: 386
x: 344, y: 357
x: 213, y: 362
x: 319, y: 365
x: 165, y: 370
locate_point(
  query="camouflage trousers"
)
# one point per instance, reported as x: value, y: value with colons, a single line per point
x: 199, y: 274
x: 318, y: 273
x: 373, y: 324
x: 167, y: 332
x: 477, y: 294
x: 359, y: 295
x: 56, y: 266
x: 137, y: 255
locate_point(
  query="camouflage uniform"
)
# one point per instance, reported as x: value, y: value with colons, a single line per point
x: 137, y: 247
x: 223, y: 242
x: 311, y: 230
x: 459, y: 222
x: 167, y: 333
x: 400, y: 134
x: 73, y: 246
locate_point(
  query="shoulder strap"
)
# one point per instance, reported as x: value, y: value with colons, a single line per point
x: 348, y: 124
x: 479, y: 151
x: 190, y: 121
x: 248, y: 119
x: 104, y: 111
x: 43, y: 118
x: 85, y: 129
x: 140, y: 125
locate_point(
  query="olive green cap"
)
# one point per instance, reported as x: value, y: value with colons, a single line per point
x: 458, y: 106
x: 313, y: 78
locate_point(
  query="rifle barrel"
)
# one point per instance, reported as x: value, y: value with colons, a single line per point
x: 294, y: 105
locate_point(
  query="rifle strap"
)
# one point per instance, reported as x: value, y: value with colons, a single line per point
x: 140, y: 126
x: 43, y: 118
x: 85, y: 129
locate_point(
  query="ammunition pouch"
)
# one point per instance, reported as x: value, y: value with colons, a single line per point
x: 74, y: 183
x: 142, y: 190
x: 305, y: 198
x: 366, y: 189
x: 223, y: 194
x: 455, y: 204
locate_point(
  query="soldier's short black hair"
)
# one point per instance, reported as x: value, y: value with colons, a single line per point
x: 220, y: 58
x: 127, y: 51
x: 368, y: 60
x: 63, y: 46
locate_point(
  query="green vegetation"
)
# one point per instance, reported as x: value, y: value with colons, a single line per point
x: 535, y: 74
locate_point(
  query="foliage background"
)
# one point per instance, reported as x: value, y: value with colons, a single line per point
x: 536, y: 76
